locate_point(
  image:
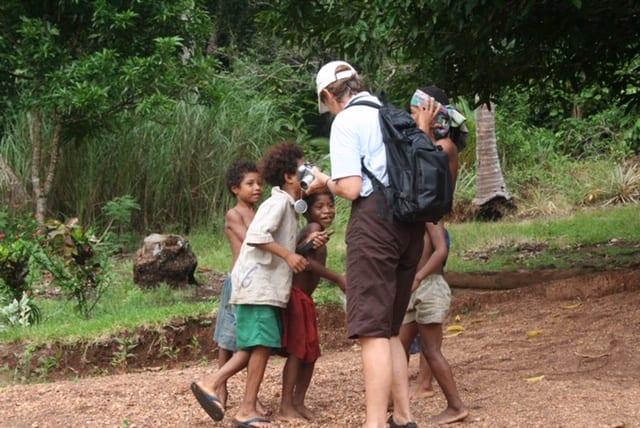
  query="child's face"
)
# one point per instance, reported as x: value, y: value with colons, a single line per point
x: 250, y: 189
x: 415, y: 111
x: 322, y: 211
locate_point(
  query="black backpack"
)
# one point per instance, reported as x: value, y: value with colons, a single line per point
x: 420, y: 182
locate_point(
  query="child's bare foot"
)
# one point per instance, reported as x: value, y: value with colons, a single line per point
x: 306, y: 412
x: 422, y: 392
x: 450, y: 416
x: 288, y: 412
x: 263, y: 410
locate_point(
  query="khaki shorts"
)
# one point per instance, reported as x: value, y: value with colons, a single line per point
x: 430, y: 303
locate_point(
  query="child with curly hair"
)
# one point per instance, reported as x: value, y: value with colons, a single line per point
x: 261, y: 282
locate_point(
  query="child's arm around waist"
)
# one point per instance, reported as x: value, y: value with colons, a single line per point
x: 324, y: 272
x: 296, y: 262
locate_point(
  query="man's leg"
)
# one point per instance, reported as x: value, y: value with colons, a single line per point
x: 377, y: 369
x: 400, y: 382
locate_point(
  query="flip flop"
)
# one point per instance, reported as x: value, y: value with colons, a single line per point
x: 210, y: 403
x: 392, y: 424
x: 249, y: 423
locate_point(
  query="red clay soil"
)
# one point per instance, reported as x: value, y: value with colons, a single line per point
x: 563, y: 353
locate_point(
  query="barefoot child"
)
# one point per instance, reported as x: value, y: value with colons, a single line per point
x: 245, y: 184
x: 449, y: 132
x: 431, y: 296
x: 261, y: 283
x: 300, y: 340
x: 428, y: 308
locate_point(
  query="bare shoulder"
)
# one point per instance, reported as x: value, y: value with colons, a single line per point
x: 436, y: 233
x: 448, y: 146
x: 232, y: 215
x: 312, y: 227
x: 240, y: 215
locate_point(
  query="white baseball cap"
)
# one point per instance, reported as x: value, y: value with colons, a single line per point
x: 327, y: 75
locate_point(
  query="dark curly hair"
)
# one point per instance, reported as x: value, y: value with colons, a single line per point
x: 237, y: 171
x: 279, y: 160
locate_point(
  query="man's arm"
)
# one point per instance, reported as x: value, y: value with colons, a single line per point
x: 345, y: 187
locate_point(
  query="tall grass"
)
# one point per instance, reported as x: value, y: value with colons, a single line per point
x: 174, y: 168
x: 15, y: 146
x: 172, y: 162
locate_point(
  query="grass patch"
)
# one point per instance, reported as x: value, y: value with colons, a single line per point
x: 605, y: 237
x: 548, y: 242
x: 123, y: 307
x: 328, y: 294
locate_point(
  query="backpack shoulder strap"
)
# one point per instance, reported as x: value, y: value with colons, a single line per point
x: 369, y: 174
x: 365, y: 103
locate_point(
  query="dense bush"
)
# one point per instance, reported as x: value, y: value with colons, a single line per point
x: 56, y: 255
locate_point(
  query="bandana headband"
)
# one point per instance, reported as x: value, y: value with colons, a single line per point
x: 419, y: 99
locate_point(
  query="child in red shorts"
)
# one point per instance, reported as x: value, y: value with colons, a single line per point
x: 300, y: 338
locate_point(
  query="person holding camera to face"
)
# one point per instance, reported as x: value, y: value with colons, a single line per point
x: 431, y: 296
x: 381, y: 255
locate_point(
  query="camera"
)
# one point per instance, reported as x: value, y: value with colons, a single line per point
x: 305, y: 175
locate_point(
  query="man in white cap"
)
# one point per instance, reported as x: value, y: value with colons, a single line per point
x: 381, y: 255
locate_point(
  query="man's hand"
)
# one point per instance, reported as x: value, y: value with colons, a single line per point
x: 320, y: 182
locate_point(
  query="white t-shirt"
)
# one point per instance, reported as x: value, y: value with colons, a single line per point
x: 260, y: 277
x: 355, y: 135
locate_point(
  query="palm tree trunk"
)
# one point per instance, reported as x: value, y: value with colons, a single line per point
x: 490, y: 181
x: 13, y: 193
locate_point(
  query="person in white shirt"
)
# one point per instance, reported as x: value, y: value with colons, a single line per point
x: 381, y: 255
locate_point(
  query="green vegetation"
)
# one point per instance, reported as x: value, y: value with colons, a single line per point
x: 125, y: 116
x: 606, y: 238
x: 153, y: 102
x: 124, y: 307
x: 552, y: 241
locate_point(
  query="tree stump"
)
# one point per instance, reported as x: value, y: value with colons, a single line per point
x: 164, y: 259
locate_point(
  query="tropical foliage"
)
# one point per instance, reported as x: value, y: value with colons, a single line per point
x: 62, y: 255
x: 147, y: 103
x: 476, y: 46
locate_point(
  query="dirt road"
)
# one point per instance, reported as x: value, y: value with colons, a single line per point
x: 579, y: 368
